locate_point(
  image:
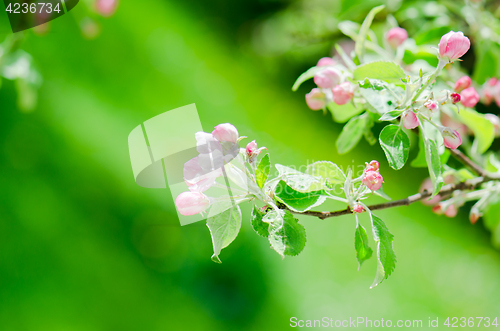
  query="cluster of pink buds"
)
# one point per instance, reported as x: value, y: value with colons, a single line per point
x: 450, y: 211
x: 215, y: 150
x: 331, y: 87
x: 465, y: 93
x: 371, y: 177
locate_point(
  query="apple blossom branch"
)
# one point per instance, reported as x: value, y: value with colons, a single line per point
x: 469, y: 184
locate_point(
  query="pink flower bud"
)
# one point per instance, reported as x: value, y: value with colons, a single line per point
x: 474, y: 215
x: 316, y: 99
x: 469, y: 97
x: 410, y: 120
x: 327, y: 78
x: 191, y: 203
x: 106, y: 8
x: 396, y: 36
x: 343, y: 93
x: 225, y: 132
x: 325, y: 62
x: 462, y: 83
x: 251, y: 148
x: 427, y: 186
x: 373, y: 165
x: 455, y: 98
x: 373, y: 180
x: 437, y: 209
x: 453, y: 45
x: 357, y: 208
x: 495, y: 121
x: 431, y: 105
x: 451, y: 211
x: 451, y: 138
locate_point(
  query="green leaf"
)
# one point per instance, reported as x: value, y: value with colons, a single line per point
x: 342, y: 113
x: 386, y: 258
x: 374, y: 84
x: 419, y: 161
x: 381, y: 101
x: 298, y: 201
x: 262, y: 171
x: 224, y: 228
x: 359, y: 48
x: 396, y: 145
x: 305, y: 76
x: 484, y: 131
x: 390, y: 115
x: 326, y: 170
x: 386, y: 71
x: 363, y: 251
x: 352, y: 133
x: 262, y: 228
x: 286, y: 235
x: 434, y: 165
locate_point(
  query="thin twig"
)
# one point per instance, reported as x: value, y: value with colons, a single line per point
x: 469, y: 184
x: 468, y: 162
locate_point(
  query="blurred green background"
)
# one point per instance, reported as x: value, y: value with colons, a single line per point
x: 82, y: 247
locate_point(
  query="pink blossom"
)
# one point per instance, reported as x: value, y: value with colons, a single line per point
x: 372, y: 166
x: 191, y: 203
x: 197, y: 178
x: 462, y: 83
x: 373, y: 180
x: 251, y: 148
x: 431, y: 105
x: 357, y: 208
x: 327, y: 78
x: 396, y: 36
x: 451, y: 211
x: 325, y: 62
x: 343, y: 93
x: 106, y: 7
x: 495, y: 121
x: 452, y: 123
x: 474, y: 215
x: 469, y: 97
x: 410, y: 120
x: 316, y: 99
x: 453, y: 45
x: 437, y: 209
x: 451, y: 138
x: 427, y: 186
x: 225, y: 132
x: 455, y: 97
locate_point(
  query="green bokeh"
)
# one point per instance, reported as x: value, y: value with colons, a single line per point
x: 82, y: 247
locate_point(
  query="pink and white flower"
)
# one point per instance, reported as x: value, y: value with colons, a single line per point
x: 326, y: 62
x: 453, y: 46
x: 410, y: 120
x: 451, y: 138
x: 316, y: 99
x: 396, y: 36
x: 225, y: 132
x: 343, y: 93
x: 327, y: 78
x: 373, y: 180
x: 191, y: 203
x: 462, y: 83
x: 470, y: 97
